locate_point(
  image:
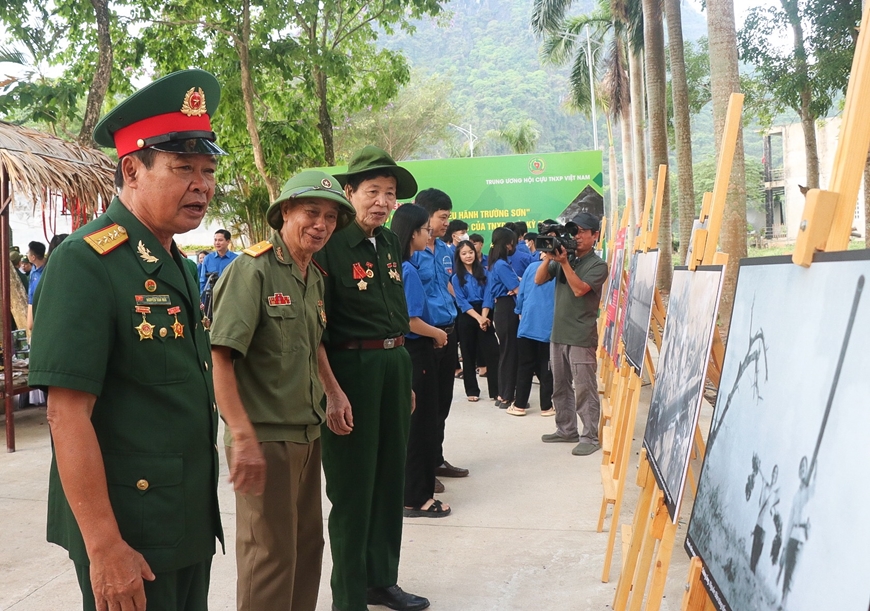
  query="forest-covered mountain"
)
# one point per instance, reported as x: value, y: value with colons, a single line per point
x: 488, y: 52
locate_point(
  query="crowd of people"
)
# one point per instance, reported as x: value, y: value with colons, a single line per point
x: 334, y: 342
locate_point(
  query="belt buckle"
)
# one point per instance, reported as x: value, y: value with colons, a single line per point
x: 390, y: 342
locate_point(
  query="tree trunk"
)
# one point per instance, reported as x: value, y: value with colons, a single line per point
x: 657, y: 108
x: 325, y: 122
x: 613, y: 177
x: 102, y: 75
x: 627, y: 153
x: 635, y: 76
x: 808, y: 119
x: 725, y: 80
x: 682, y: 125
x: 243, y: 47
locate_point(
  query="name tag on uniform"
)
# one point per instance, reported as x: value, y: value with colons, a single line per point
x: 153, y: 300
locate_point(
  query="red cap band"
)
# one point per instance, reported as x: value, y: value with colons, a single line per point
x: 127, y: 138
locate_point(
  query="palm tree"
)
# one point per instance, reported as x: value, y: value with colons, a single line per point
x: 657, y: 107
x: 521, y: 136
x: 725, y: 80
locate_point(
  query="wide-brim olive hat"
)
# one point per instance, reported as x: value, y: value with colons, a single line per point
x: 373, y: 158
x: 312, y: 184
x: 172, y: 114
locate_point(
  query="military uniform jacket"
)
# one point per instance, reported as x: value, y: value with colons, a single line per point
x: 273, y: 318
x: 365, y: 298
x: 118, y: 317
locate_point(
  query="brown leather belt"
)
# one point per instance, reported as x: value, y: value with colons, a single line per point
x: 372, y: 344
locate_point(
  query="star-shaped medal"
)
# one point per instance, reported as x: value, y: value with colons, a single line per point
x: 363, y: 285
x: 145, y: 329
x: 178, y: 328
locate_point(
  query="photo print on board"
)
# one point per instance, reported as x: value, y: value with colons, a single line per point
x: 780, y: 519
x: 641, y: 290
x: 614, y: 293
x: 682, y: 368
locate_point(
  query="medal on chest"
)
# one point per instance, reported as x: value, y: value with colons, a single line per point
x: 177, y: 327
x: 145, y: 328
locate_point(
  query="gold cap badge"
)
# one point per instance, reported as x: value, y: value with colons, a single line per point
x: 194, y: 102
x: 326, y: 183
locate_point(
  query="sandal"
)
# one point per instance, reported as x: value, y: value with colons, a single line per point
x: 435, y: 510
x: 458, y: 374
x: 513, y: 410
x: 472, y: 399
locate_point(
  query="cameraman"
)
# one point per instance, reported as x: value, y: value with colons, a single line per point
x: 575, y: 332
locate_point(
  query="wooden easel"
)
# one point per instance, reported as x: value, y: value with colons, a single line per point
x: 616, y: 439
x: 826, y: 223
x: 606, y: 368
x: 652, y: 533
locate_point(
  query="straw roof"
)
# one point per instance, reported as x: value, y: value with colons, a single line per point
x: 39, y: 164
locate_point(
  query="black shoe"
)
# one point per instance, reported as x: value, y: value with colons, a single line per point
x: 448, y: 470
x: 396, y: 598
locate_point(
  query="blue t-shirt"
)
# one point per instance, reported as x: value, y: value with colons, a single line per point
x: 535, y: 305
x: 35, y: 275
x: 434, y: 270
x: 472, y: 292
x: 214, y: 263
x: 502, y: 280
x: 415, y: 295
x: 521, y: 259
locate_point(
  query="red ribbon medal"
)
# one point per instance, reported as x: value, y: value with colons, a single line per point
x: 358, y: 272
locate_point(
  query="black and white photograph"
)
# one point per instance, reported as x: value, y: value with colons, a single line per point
x: 780, y: 519
x: 679, y: 388
x: 641, y: 288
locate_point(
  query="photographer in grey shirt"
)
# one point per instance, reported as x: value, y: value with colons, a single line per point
x: 575, y: 332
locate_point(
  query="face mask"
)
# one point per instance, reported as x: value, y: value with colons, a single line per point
x: 463, y: 237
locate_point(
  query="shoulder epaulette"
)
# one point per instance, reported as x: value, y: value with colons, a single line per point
x: 258, y: 249
x: 107, y: 239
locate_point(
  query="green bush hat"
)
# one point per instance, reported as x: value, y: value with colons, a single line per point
x: 172, y: 114
x: 372, y: 158
x: 15, y: 257
x: 312, y: 184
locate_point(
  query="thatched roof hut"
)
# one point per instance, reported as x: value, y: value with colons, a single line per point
x: 40, y: 167
x: 38, y: 164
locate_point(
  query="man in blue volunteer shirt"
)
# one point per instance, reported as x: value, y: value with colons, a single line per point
x: 435, y: 267
x: 216, y: 262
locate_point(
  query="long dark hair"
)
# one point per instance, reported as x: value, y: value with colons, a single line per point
x: 407, y: 219
x: 476, y: 268
x: 502, y: 239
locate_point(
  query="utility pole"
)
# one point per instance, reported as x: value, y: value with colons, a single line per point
x: 468, y: 133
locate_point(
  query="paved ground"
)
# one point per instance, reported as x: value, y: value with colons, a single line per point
x: 522, y: 534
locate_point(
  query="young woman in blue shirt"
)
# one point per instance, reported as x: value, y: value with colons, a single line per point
x: 476, y: 331
x: 503, y: 285
x: 411, y: 224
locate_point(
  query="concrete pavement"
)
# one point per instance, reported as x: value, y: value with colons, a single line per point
x: 521, y: 535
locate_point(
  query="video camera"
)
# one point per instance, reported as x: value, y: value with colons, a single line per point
x: 564, y: 237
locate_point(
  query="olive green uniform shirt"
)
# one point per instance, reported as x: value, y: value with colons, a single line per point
x: 154, y: 416
x: 373, y: 307
x: 273, y: 319
x: 575, y: 319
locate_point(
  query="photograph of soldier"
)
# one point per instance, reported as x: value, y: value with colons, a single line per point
x: 641, y: 287
x: 791, y: 404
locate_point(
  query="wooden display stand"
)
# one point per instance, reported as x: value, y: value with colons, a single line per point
x: 616, y: 437
x: 827, y: 219
x: 606, y: 367
x: 650, y: 539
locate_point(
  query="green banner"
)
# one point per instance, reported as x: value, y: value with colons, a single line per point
x: 487, y: 192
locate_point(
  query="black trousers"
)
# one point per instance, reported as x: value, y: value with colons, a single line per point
x: 445, y: 371
x: 478, y: 346
x: 533, y: 360
x: 506, y: 325
x: 420, y: 463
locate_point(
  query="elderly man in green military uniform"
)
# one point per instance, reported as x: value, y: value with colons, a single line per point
x: 268, y: 321
x: 119, y: 344
x: 366, y: 375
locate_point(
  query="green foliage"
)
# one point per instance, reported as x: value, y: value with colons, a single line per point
x: 418, y: 118
x: 521, y: 136
x: 829, y: 30
x: 705, y: 177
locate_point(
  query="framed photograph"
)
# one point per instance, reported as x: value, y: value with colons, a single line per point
x: 682, y: 368
x: 641, y: 290
x: 780, y: 519
x: 615, y: 297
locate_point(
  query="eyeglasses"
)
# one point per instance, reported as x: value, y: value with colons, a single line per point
x: 426, y: 229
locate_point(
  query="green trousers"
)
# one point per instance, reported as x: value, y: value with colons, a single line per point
x: 365, y: 473
x: 182, y: 590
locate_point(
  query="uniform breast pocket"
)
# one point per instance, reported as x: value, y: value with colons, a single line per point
x: 157, y: 355
x: 280, y: 321
x: 147, y: 496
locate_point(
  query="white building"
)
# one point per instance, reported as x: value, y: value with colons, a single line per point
x: 785, y: 169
